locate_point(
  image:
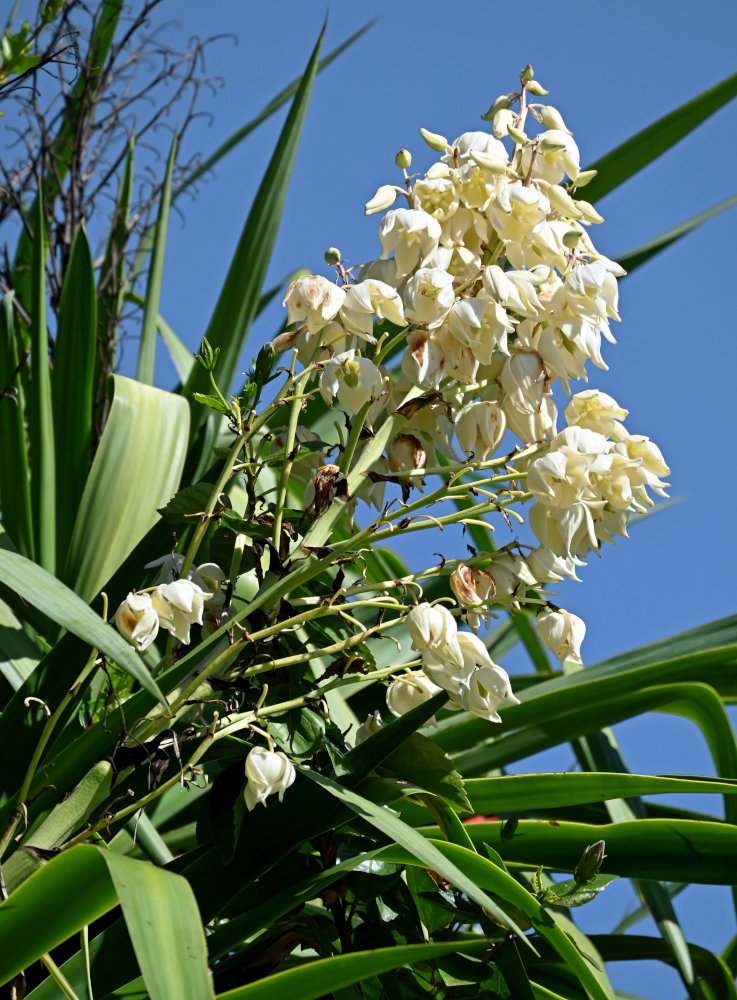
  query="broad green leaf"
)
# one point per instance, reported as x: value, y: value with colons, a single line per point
x: 486, y: 874
x: 683, y: 850
x: 19, y: 654
x: 75, y: 353
x: 423, y: 763
x: 40, y: 417
x: 70, y: 891
x: 527, y: 793
x: 147, y: 347
x: 709, y: 652
x: 34, y: 585
x: 14, y: 476
x: 317, y: 979
x: 136, y: 470
x: 273, y: 106
x: 65, y: 819
x: 238, y: 300
x: 412, y: 842
x: 635, y: 258
x: 572, y: 893
x: 631, y: 156
x: 164, y: 925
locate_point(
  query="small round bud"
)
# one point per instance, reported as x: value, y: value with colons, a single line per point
x: 572, y: 238
x: 434, y: 140
x: 590, y: 862
x: 403, y: 159
x: 332, y: 256
x: 527, y: 74
x: 536, y: 88
x: 584, y: 177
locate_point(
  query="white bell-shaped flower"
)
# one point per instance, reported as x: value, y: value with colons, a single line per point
x: 268, y: 772
x: 137, y: 621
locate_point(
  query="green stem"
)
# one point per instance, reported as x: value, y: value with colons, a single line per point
x: 43, y: 740
x: 58, y: 976
x: 356, y: 427
x: 199, y: 532
x: 286, y: 470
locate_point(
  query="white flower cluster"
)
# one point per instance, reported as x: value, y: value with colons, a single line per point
x: 452, y: 661
x: 491, y: 270
x: 174, y: 604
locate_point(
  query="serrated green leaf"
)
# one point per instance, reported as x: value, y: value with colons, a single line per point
x: 187, y: 503
x: 573, y: 893
x: 213, y: 402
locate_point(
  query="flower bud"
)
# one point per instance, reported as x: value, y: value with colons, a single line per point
x: 264, y: 363
x: 208, y: 355
x: 562, y: 633
x: 267, y: 772
x: 550, y: 144
x: 403, y: 159
x: 527, y: 74
x: 588, y: 211
x: 584, y: 177
x: 572, y: 238
x: 562, y: 202
x: 137, y: 621
x: 536, y: 88
x: 434, y: 140
x: 438, y: 172
x: 383, y: 199
x: 501, y: 103
x: 332, y: 256
x: 518, y: 135
x: 590, y: 862
x: 552, y: 118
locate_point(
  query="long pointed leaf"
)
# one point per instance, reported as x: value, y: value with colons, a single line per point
x: 41, y: 424
x: 136, y: 470
x: 644, y: 147
x: 239, y: 298
x: 164, y: 925
x: 271, y: 108
x: 323, y: 977
x: 636, y: 258
x: 34, y: 585
x: 15, y: 495
x: 147, y: 346
x: 75, y: 353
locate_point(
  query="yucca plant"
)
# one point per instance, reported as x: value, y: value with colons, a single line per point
x: 224, y: 812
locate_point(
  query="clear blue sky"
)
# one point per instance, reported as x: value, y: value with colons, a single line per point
x: 611, y: 69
